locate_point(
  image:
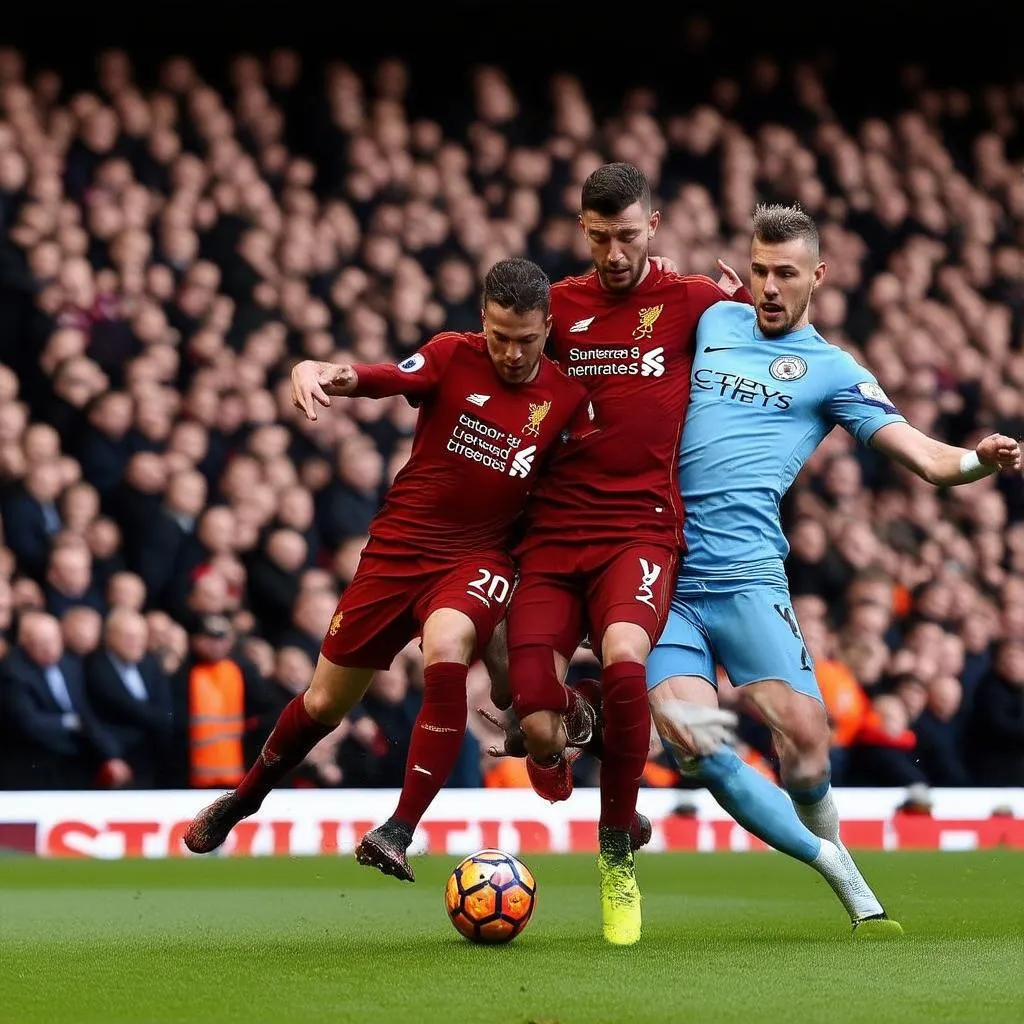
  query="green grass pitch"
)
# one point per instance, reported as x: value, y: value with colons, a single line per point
x: 727, y: 937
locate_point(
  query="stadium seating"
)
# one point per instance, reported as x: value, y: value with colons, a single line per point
x: 166, y: 254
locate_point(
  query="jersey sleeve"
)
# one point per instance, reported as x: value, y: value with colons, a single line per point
x: 416, y: 377
x: 856, y: 402
x: 555, y: 348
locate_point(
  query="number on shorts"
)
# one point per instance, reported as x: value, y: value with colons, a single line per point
x: 790, y: 620
x: 494, y: 586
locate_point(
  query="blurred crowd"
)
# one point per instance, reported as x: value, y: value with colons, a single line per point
x: 169, y: 248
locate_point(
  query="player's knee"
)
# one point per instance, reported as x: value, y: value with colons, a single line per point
x: 334, y: 691
x: 803, y: 740
x: 448, y: 636
x: 625, y: 642
x: 322, y: 703
x: 543, y: 734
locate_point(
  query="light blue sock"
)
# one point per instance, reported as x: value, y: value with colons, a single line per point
x: 757, y: 804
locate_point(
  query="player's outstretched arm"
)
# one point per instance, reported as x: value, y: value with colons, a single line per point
x: 315, y: 382
x: 942, y: 464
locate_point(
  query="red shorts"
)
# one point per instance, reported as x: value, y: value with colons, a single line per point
x: 392, y: 595
x: 565, y: 590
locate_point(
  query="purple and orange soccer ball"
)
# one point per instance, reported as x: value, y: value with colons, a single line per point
x: 490, y: 897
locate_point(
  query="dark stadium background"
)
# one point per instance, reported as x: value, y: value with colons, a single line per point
x: 617, y: 44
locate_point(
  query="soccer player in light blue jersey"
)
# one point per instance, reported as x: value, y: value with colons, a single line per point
x: 766, y: 389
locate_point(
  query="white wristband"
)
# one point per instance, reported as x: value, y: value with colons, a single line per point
x: 972, y: 468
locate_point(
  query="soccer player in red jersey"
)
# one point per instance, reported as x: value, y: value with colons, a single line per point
x: 437, y: 563
x: 604, y: 531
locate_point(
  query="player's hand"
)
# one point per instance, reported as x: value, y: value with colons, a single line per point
x: 515, y: 743
x: 1000, y: 451
x: 697, y: 729
x: 730, y: 282
x: 314, y: 382
x: 665, y: 265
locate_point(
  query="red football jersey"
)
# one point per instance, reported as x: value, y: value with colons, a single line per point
x: 478, y: 447
x: 634, y: 353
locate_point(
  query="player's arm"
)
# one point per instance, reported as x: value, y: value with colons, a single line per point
x: 315, y: 383
x: 858, y: 404
x: 943, y: 464
x: 730, y: 283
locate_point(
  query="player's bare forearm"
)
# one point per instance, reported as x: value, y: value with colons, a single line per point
x: 946, y: 465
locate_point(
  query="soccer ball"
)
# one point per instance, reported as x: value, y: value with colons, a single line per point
x: 490, y: 897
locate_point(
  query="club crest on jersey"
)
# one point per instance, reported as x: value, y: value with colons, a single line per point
x: 538, y: 410
x: 788, y: 368
x: 335, y: 624
x: 645, y: 329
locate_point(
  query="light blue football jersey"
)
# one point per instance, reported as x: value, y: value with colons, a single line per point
x: 758, y: 408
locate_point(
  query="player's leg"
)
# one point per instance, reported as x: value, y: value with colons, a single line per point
x: 679, y: 704
x: 683, y: 698
x: 544, y: 624
x: 370, y: 626
x: 308, y: 718
x: 777, y: 677
x: 449, y: 640
x: 456, y: 626
x: 627, y: 605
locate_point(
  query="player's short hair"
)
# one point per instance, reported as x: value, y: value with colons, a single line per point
x: 519, y: 285
x: 776, y: 222
x: 613, y: 187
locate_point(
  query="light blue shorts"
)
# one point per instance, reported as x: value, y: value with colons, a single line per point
x: 752, y: 633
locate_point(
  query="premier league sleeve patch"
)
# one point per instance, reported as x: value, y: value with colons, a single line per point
x: 872, y: 394
x: 412, y: 364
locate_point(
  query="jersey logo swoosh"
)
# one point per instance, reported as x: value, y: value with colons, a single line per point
x: 719, y: 348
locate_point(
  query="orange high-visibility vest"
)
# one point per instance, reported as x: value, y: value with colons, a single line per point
x: 216, y: 702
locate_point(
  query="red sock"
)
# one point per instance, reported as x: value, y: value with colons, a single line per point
x: 436, y: 739
x: 294, y: 736
x: 535, y: 684
x: 627, y: 738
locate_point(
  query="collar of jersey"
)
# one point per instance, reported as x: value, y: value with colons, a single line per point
x: 804, y: 334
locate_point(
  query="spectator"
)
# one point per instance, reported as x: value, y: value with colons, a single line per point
x: 126, y: 590
x: 939, y: 734
x: 128, y: 689
x: 164, y: 551
x: 69, y: 581
x: 31, y: 518
x: 218, y: 703
x: 82, y: 628
x: 52, y: 737
x: 311, y: 617
x: 998, y: 745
